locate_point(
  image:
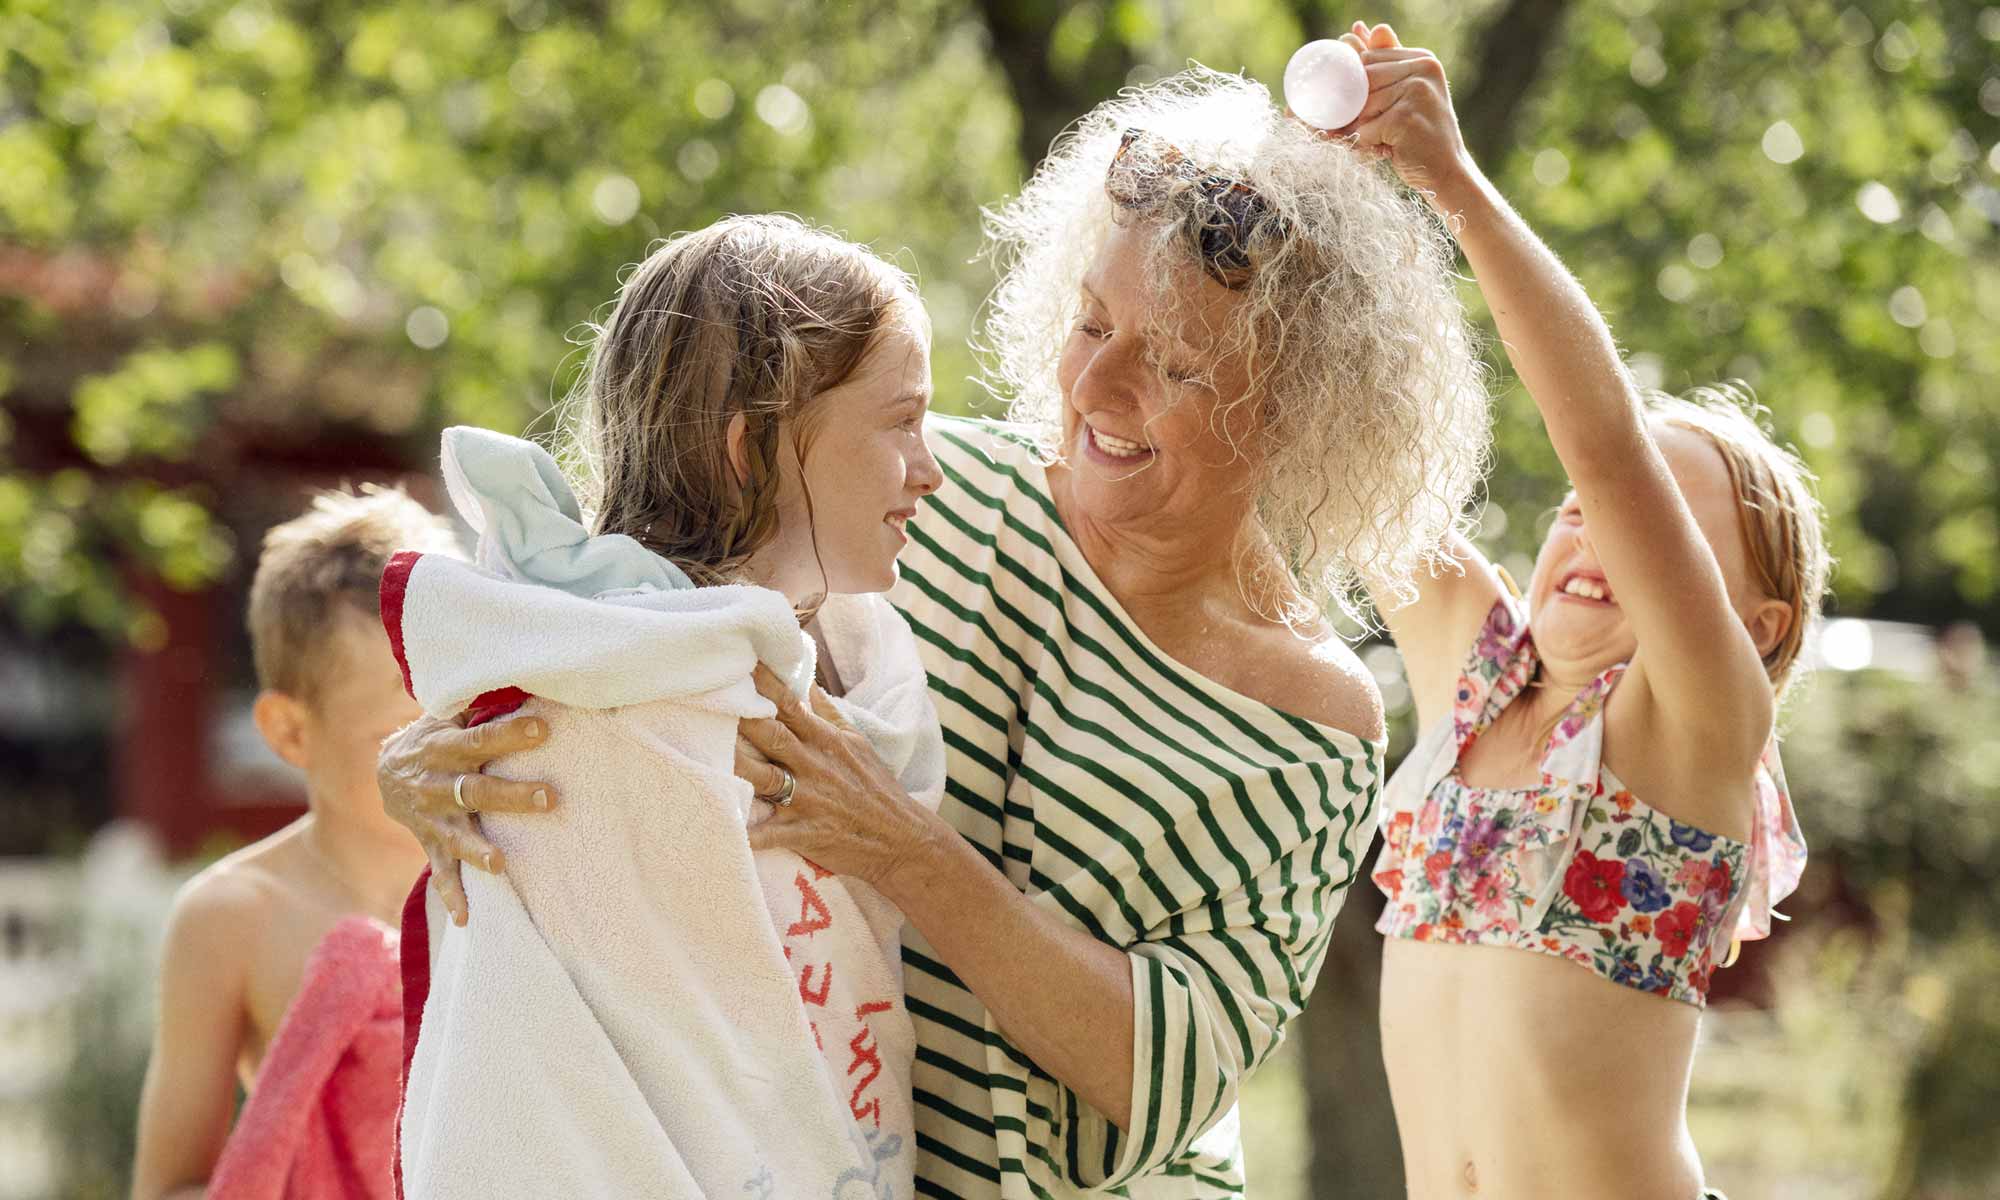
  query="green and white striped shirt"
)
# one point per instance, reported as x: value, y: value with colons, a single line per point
x: 1208, y: 835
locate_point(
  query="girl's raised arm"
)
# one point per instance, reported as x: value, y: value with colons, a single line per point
x: 1700, y: 665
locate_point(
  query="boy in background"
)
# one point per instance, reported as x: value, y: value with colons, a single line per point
x: 280, y: 969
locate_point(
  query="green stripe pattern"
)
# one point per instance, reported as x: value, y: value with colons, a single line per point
x: 1210, y: 836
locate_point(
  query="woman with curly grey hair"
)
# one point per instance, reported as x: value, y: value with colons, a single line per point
x: 1240, y: 381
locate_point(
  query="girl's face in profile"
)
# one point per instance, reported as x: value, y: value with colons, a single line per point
x: 866, y: 466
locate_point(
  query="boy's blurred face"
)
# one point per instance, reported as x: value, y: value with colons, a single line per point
x: 358, y: 701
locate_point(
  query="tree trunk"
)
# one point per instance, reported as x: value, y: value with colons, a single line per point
x: 1355, y: 1154
x: 1048, y: 100
x: 1508, y: 61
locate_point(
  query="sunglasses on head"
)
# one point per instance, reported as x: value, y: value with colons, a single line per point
x: 1140, y: 179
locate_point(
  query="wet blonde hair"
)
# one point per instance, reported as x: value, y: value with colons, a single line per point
x: 328, y: 558
x: 1368, y: 402
x: 1777, y: 509
x: 754, y: 315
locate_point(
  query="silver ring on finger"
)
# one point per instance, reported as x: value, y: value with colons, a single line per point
x: 458, y: 794
x: 788, y: 784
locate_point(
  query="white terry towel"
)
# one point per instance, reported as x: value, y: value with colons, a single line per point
x: 640, y: 1006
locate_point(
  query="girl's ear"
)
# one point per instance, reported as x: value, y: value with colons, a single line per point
x: 1768, y: 623
x: 735, y: 440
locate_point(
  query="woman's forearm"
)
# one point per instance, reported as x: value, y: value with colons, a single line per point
x: 1060, y: 995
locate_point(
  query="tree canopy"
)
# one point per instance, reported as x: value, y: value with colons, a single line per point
x: 230, y: 231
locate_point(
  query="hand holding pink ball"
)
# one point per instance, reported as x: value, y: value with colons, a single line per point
x: 1325, y: 84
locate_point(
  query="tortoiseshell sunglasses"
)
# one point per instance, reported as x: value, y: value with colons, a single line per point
x: 1221, y: 228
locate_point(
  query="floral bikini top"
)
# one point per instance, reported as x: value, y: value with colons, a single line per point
x: 1575, y: 866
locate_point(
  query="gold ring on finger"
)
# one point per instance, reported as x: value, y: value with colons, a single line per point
x: 788, y: 783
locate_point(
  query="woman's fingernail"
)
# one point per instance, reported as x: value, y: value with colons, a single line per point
x: 541, y: 798
x: 534, y: 729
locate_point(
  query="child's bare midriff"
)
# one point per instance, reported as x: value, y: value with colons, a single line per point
x: 1553, y: 1081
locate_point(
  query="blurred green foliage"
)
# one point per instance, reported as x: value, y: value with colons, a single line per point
x: 232, y: 224
x: 1899, y: 782
x: 1802, y: 194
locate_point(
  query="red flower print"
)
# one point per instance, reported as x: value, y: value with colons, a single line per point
x: 1436, y: 867
x: 1704, y: 970
x: 1642, y: 924
x: 1623, y: 800
x: 1675, y: 926
x: 1422, y: 933
x: 1594, y: 884
x: 1398, y: 834
x: 1391, y: 882
x: 1718, y: 879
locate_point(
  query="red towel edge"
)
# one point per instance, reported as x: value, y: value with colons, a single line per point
x: 395, y: 586
x: 415, y: 954
x: 491, y: 706
x: 415, y: 950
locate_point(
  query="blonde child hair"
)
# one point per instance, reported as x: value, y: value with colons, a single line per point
x: 1777, y: 507
x: 328, y: 557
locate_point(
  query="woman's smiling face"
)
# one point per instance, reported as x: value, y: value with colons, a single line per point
x: 1141, y: 394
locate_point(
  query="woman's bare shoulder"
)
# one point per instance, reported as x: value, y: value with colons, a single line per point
x: 1311, y: 673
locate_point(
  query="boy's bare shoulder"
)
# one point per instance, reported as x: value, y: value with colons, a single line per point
x: 226, y: 907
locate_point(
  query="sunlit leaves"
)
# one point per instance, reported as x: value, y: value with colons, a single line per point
x: 243, y: 215
x: 151, y: 406
x: 1833, y: 154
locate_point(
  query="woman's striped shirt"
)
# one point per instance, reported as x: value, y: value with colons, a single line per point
x: 1208, y: 835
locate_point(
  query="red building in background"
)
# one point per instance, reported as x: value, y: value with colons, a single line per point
x: 157, y: 728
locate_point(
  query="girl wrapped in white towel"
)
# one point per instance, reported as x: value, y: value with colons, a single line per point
x: 640, y: 1005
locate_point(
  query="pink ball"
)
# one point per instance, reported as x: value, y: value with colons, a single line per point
x: 1325, y: 83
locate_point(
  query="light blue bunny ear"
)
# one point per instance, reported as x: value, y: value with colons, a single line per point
x: 530, y: 526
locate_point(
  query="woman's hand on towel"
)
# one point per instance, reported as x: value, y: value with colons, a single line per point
x: 848, y: 813
x: 416, y: 772
x: 1058, y: 993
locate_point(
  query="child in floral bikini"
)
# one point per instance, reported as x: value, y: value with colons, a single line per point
x: 1595, y: 779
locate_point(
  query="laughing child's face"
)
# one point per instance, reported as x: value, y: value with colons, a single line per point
x: 1577, y: 618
